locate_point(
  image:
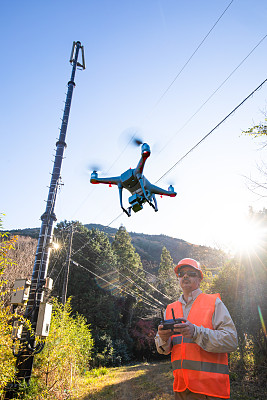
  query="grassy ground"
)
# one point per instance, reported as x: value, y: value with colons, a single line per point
x: 149, y: 382
x: 136, y: 382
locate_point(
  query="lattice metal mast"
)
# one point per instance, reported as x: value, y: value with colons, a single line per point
x: 46, y: 231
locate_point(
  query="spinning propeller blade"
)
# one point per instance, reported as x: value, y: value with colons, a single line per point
x: 137, y: 142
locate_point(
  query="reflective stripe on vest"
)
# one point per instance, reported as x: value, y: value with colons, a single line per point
x: 194, y: 368
x: 201, y: 366
x: 178, y: 340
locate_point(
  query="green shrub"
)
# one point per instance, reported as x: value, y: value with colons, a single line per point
x: 67, y: 352
x: 7, y: 360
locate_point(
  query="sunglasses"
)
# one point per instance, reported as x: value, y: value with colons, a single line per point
x: 192, y: 274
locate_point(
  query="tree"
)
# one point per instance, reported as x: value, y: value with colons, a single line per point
x: 95, y: 289
x: 168, y: 281
x: 131, y: 273
x: 259, y: 131
x: 22, y: 255
x: 128, y: 260
x: 242, y: 284
x: 7, y: 360
x: 91, y: 297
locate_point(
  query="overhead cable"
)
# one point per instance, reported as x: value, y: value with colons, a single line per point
x: 124, y: 266
x: 176, y: 77
x: 215, y: 91
x: 138, y: 286
x: 125, y: 277
x: 62, y: 248
x: 210, y: 132
x: 192, y: 55
x: 251, y: 94
x: 129, y: 280
x: 197, y: 111
x: 115, y: 219
x: 117, y: 287
x: 164, y: 295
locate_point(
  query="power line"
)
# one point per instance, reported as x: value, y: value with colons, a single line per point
x: 115, y: 270
x: 210, y: 132
x: 128, y: 279
x: 115, y: 219
x: 155, y: 300
x: 192, y: 55
x: 138, y: 287
x: 176, y: 77
x: 161, y: 97
x: 215, y: 91
x: 124, y: 266
x: 197, y: 111
x: 84, y: 245
x: 62, y: 248
x: 117, y: 287
x: 251, y: 94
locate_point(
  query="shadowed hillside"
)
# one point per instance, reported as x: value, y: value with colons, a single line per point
x: 149, y: 247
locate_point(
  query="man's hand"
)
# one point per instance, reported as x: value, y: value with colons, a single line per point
x: 164, y: 334
x: 186, y: 329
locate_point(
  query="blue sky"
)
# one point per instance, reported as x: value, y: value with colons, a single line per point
x: 133, y: 51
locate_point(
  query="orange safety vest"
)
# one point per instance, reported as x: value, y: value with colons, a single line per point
x: 195, y: 369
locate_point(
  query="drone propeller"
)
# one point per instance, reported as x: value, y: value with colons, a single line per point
x: 171, y: 182
x: 137, y: 142
x: 131, y: 136
x: 95, y: 167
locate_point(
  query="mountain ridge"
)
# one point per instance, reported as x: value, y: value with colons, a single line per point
x: 149, y: 247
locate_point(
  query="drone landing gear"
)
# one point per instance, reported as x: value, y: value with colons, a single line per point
x: 128, y: 212
x: 151, y: 196
x: 136, y: 200
x: 155, y: 206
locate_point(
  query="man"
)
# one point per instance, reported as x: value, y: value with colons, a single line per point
x: 199, y: 345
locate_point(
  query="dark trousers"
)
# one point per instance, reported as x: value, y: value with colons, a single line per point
x: 187, y: 395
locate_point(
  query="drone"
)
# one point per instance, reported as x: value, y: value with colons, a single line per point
x: 134, y: 181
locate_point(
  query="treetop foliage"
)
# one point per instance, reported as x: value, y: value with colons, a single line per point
x: 258, y: 130
x: 168, y: 282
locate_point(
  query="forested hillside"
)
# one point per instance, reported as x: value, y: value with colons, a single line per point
x: 149, y: 247
x: 117, y: 284
x: 118, y: 281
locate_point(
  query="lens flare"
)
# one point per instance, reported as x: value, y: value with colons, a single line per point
x: 246, y: 237
x: 262, y: 322
x: 56, y: 245
x: 109, y: 281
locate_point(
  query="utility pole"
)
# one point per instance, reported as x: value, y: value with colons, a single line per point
x: 38, y: 281
x: 66, y: 272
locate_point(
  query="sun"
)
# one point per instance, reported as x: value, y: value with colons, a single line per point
x: 247, y: 236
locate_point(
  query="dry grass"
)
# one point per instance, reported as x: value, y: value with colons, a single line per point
x: 144, y: 381
x: 136, y: 382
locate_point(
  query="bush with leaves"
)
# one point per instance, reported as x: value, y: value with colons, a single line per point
x: 110, y: 353
x: 7, y: 360
x: 67, y: 352
x: 143, y: 334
